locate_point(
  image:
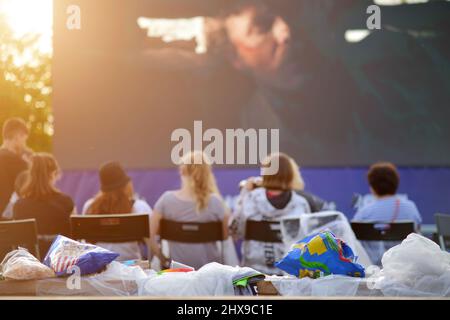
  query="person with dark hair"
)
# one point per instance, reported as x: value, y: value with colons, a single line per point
x: 13, y: 153
x: 117, y: 196
x: 388, y: 207
x: 384, y: 180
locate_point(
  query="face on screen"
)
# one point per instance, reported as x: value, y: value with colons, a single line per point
x: 262, y: 45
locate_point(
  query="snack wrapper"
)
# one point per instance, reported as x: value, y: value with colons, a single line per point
x: 65, y: 253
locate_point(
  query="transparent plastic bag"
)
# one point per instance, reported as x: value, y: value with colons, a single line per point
x: 124, y: 278
x: 212, y: 279
x: 330, y: 286
x: 22, y: 265
x: 117, y: 280
x: 416, y: 267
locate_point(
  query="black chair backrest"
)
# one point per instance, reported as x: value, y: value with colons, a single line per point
x: 191, y: 232
x: 443, y: 229
x: 263, y: 231
x: 110, y: 228
x: 381, y: 231
x: 18, y: 233
x: 443, y: 224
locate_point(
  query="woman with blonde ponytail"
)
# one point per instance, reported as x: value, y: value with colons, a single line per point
x: 198, y: 200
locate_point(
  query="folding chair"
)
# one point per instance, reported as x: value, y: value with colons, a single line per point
x: 443, y: 229
x: 263, y: 231
x: 381, y: 231
x: 110, y: 228
x: 18, y: 233
x: 191, y: 232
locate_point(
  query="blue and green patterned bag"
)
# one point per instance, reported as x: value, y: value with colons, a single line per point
x: 321, y: 254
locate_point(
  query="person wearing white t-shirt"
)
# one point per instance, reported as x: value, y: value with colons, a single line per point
x: 271, y: 198
x: 117, y: 197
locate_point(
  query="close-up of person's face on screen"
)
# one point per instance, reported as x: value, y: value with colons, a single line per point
x: 292, y: 65
x: 262, y: 43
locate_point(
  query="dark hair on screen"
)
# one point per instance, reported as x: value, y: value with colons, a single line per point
x: 384, y: 179
x: 265, y: 14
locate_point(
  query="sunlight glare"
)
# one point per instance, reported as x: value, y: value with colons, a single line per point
x: 30, y: 17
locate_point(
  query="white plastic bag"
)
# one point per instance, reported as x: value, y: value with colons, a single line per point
x: 22, y: 265
x: 117, y: 280
x: 416, y: 267
x: 330, y: 286
x: 230, y: 256
x: 212, y: 279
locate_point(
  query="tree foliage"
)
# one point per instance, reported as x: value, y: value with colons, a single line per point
x: 25, y: 85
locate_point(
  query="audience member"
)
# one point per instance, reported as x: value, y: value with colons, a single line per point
x: 41, y: 200
x: 270, y: 199
x: 384, y: 179
x: 198, y: 200
x: 13, y: 155
x: 116, y: 196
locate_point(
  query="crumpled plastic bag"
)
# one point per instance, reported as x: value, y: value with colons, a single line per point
x: 65, y: 253
x: 334, y: 221
x: 22, y: 265
x: 319, y: 255
x: 117, y: 280
x: 416, y: 267
x: 212, y: 279
x: 331, y: 286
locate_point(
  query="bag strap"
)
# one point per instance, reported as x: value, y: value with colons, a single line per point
x: 396, y: 211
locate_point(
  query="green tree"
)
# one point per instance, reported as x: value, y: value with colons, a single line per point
x: 25, y: 85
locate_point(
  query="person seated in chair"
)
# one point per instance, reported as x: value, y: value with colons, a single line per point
x: 388, y: 207
x: 116, y: 196
x: 41, y: 200
x: 198, y: 201
x: 384, y: 180
x: 270, y: 199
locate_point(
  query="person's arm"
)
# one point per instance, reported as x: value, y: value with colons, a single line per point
x: 238, y: 219
x: 74, y: 211
x: 226, y: 221
x: 5, y: 194
x: 86, y: 207
x: 155, y: 221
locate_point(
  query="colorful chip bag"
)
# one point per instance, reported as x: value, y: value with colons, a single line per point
x: 319, y: 255
x: 65, y: 253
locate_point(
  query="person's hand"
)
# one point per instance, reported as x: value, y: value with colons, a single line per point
x: 252, y: 183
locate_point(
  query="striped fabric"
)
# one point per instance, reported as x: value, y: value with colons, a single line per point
x: 384, y: 210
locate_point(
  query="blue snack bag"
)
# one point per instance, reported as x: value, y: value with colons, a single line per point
x: 65, y: 253
x: 321, y: 254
